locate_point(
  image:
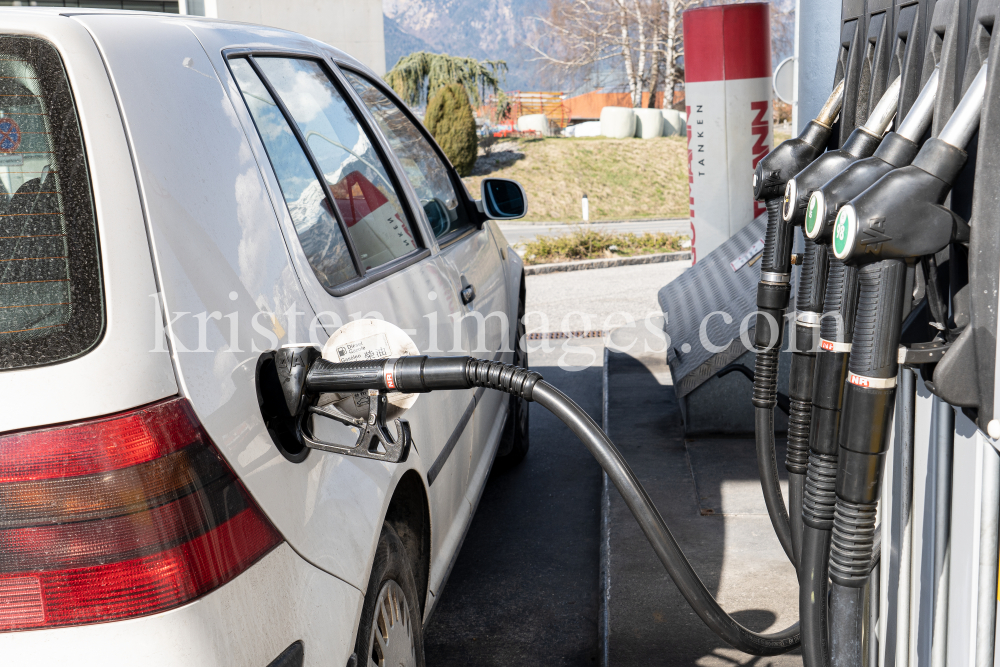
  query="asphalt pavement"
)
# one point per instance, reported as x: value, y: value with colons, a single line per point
x: 522, y: 232
x: 599, y: 299
x: 525, y: 587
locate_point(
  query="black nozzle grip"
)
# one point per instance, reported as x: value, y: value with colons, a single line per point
x: 812, y: 279
x: 881, y: 291
x: 777, y: 257
x: 841, y: 303
x: 422, y: 374
x: 350, y: 376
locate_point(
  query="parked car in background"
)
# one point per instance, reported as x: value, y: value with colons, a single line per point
x: 178, y: 198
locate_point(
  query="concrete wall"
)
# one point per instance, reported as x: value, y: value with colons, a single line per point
x: 354, y: 26
x: 817, y: 37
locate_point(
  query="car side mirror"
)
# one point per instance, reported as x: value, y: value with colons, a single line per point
x: 503, y: 199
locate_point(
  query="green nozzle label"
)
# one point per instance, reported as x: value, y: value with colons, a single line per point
x: 812, y: 215
x: 840, y: 233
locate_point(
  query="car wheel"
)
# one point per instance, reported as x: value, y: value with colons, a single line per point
x: 391, y: 629
x: 514, y: 441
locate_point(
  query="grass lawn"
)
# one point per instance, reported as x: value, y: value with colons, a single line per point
x: 623, y: 178
x: 583, y: 243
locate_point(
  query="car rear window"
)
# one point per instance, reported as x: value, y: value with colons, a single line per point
x: 51, y: 298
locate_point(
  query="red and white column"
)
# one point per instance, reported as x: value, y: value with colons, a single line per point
x: 727, y: 72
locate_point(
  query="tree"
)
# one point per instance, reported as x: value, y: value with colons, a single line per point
x: 418, y: 76
x: 644, y: 37
x: 782, y: 26
x: 449, y: 119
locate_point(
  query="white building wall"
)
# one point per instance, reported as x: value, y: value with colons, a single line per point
x: 354, y: 26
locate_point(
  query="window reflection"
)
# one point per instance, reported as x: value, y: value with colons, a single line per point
x: 427, y: 173
x: 317, y: 228
x: 364, y: 194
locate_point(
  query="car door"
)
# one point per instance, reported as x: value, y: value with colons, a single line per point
x: 360, y: 252
x: 466, y: 246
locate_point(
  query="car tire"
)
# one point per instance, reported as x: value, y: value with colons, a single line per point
x: 514, y: 441
x: 391, y: 627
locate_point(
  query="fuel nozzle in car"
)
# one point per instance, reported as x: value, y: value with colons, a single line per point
x: 374, y: 439
x: 304, y: 375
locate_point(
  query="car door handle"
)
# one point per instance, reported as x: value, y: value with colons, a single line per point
x: 468, y: 294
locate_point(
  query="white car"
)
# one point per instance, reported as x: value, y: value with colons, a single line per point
x: 180, y: 197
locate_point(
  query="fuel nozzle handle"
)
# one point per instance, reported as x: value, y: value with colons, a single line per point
x: 773, y: 291
x: 898, y: 149
x: 862, y: 143
x: 418, y: 374
x: 898, y: 218
x: 788, y: 159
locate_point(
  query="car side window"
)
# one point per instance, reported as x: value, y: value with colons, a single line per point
x: 365, y: 196
x: 318, y: 230
x: 426, y: 171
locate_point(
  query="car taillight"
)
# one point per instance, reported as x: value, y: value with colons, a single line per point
x: 118, y: 517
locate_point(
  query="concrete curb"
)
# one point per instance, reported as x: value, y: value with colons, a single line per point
x: 604, y: 614
x: 586, y: 264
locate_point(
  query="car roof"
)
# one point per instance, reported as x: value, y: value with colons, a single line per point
x: 69, y: 12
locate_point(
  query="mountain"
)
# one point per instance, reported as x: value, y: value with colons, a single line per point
x: 399, y: 43
x: 482, y: 29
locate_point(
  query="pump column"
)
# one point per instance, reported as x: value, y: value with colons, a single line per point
x: 728, y: 90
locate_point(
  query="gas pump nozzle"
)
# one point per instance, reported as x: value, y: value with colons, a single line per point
x: 862, y: 143
x: 837, y: 322
x: 789, y: 158
x: 897, y: 219
x: 772, y: 174
x: 772, y: 302
x: 901, y: 215
x: 898, y: 149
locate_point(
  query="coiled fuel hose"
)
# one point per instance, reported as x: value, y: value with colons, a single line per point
x: 420, y: 374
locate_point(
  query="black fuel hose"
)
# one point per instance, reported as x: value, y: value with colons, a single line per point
x: 836, y: 329
x: 767, y: 469
x: 770, y: 177
x: 418, y: 374
x: 895, y: 220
